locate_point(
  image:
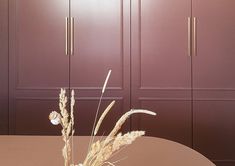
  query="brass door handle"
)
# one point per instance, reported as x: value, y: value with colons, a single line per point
x: 194, y: 36
x: 189, y: 36
x: 66, y: 35
x: 71, y: 35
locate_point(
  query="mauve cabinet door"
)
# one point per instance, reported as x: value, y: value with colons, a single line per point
x: 213, y: 79
x: 3, y: 67
x: 161, y: 67
x: 38, y: 64
x: 214, y: 129
x: 215, y: 30
x: 101, y: 42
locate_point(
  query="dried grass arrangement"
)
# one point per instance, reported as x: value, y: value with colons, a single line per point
x: 99, y: 152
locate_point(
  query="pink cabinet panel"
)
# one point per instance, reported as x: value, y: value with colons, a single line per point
x: 214, y: 128
x: 159, y: 38
x: 85, y: 115
x: 4, y: 67
x: 37, y: 31
x: 173, y: 120
x: 31, y: 116
x: 214, y: 64
x: 161, y: 67
x: 213, y: 80
x: 101, y: 42
x: 38, y: 64
x: 98, y: 43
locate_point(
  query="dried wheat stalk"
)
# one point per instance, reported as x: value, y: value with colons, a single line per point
x: 100, y: 151
x: 66, y: 121
x: 122, y: 120
x: 103, y: 116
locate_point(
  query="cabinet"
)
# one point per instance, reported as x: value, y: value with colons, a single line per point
x: 161, y: 68
x: 172, y: 57
x: 193, y: 95
x: 4, y: 67
x: 214, y: 81
x: 39, y: 66
x: 102, y: 42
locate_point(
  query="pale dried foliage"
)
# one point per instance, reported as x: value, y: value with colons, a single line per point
x: 101, y: 151
x: 103, y: 116
x: 66, y: 121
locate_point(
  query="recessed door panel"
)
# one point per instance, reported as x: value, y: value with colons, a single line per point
x: 214, y: 124
x: 160, y: 44
x: 161, y: 67
x: 4, y: 67
x: 213, y: 79
x: 101, y: 41
x: 173, y: 120
x: 39, y: 66
x: 38, y: 43
x: 32, y: 117
x: 215, y: 37
x: 85, y: 111
x: 98, y: 43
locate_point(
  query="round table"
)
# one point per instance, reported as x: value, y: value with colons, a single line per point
x: 145, y: 151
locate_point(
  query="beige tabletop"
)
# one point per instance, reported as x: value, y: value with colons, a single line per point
x: 145, y: 151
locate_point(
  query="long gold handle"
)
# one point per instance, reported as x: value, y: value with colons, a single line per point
x: 194, y: 36
x: 189, y: 36
x: 71, y: 35
x: 66, y: 35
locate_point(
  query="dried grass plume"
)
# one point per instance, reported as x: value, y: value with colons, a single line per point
x: 99, y: 152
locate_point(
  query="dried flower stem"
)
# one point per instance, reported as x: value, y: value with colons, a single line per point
x: 67, y: 123
x: 102, y: 150
x: 108, y: 163
x: 103, y: 116
x: 121, y: 121
x: 106, y: 81
x: 72, y: 121
x: 102, y: 93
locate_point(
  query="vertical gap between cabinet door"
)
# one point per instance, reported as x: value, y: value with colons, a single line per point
x: 8, y: 70
x: 192, y: 92
x: 130, y: 89
x: 69, y: 65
